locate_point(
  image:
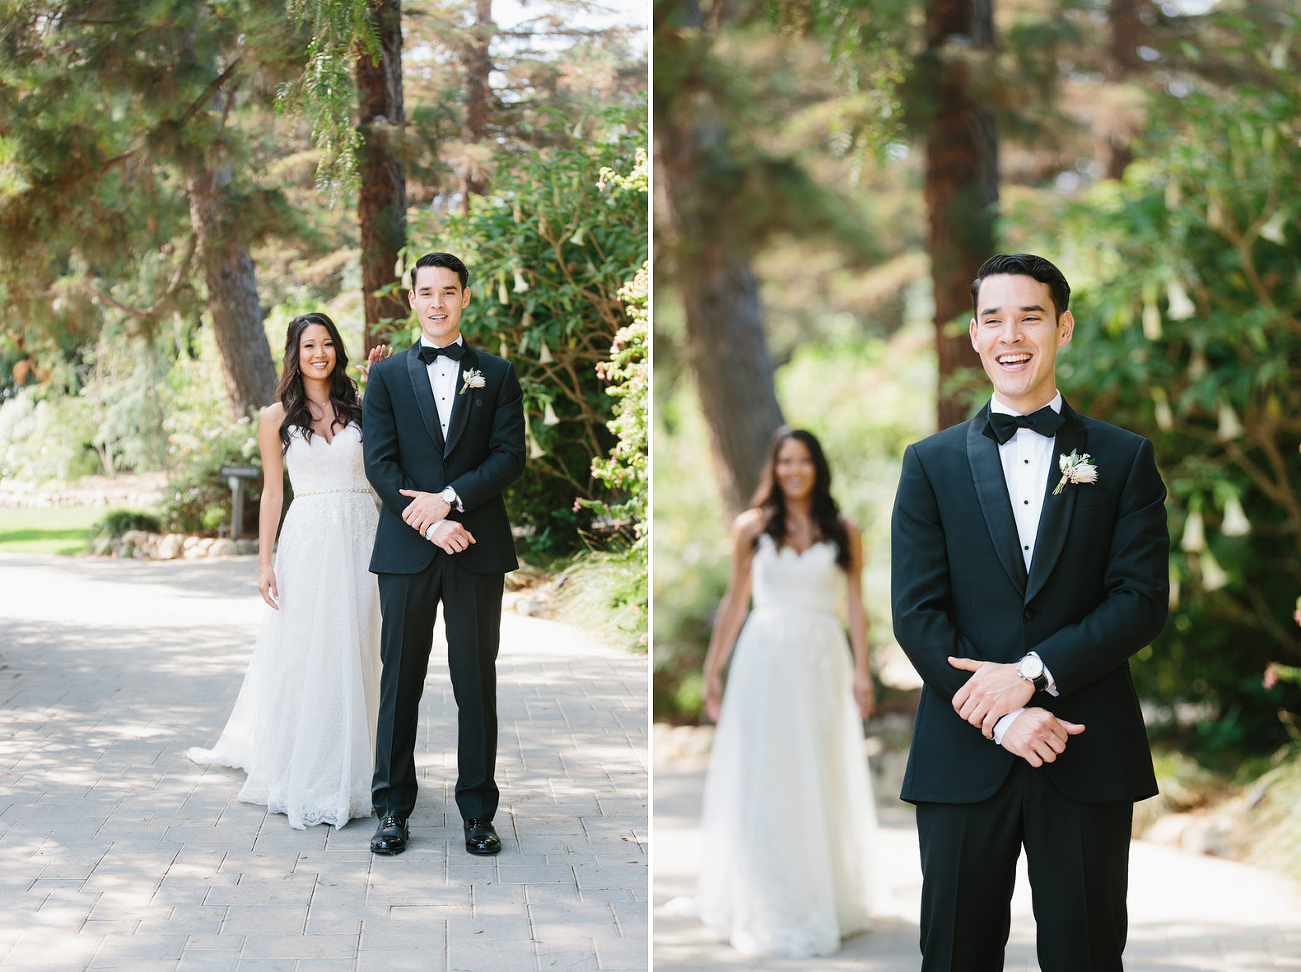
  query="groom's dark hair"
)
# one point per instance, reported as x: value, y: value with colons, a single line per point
x: 441, y: 260
x: 1027, y: 265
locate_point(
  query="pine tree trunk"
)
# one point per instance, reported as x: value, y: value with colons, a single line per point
x: 474, y: 124
x: 726, y: 346
x: 382, y: 197
x: 734, y: 374
x: 228, y: 270
x: 961, y: 185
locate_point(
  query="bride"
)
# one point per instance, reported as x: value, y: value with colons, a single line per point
x: 788, y: 820
x: 303, y: 726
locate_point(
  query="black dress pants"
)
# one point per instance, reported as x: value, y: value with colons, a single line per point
x: 472, y: 610
x: 1078, y: 861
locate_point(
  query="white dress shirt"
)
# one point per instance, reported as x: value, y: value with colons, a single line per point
x: 443, y: 373
x: 1027, y: 460
x: 442, y: 381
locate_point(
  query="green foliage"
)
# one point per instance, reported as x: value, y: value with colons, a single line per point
x: 198, y: 497
x: 606, y: 592
x: 549, y: 252
x: 628, y: 469
x: 1190, y: 335
x: 341, y: 30
x: 45, y: 436
x: 114, y: 523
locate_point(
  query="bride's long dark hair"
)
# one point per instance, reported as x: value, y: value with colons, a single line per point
x: 292, y: 394
x: 771, y: 501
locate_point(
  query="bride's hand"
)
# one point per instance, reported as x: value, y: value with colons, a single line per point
x: 864, y: 695
x: 378, y: 353
x: 713, y: 697
x: 266, y: 583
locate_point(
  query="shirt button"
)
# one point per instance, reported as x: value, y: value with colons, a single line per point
x: 1026, y: 547
x: 1026, y: 461
x: 1026, y: 502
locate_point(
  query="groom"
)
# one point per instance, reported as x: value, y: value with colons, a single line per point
x: 1020, y: 588
x: 443, y: 438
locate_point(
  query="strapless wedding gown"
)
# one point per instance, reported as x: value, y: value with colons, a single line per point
x: 303, y: 726
x: 788, y: 821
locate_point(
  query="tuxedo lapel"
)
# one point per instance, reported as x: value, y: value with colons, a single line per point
x: 991, y: 488
x: 1055, y: 519
x: 461, y: 402
x: 419, y: 374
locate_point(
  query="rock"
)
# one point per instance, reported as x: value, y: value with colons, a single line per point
x: 169, y: 547
x: 205, y: 544
x: 194, y: 552
x: 530, y: 607
x: 223, y: 548
x: 246, y: 547
x: 189, y: 543
x: 132, y: 537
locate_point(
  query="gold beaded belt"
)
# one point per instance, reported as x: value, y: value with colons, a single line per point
x: 322, y: 492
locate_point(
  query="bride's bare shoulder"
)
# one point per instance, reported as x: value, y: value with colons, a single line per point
x: 272, y: 415
x: 748, y: 525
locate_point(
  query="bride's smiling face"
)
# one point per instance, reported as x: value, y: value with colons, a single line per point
x: 316, y: 355
x: 795, y: 471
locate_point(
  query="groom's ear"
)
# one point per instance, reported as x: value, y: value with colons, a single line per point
x: 465, y: 297
x: 1065, y: 329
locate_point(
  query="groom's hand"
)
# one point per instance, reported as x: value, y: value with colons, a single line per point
x: 1038, y: 736
x: 424, y: 509
x: 451, y: 536
x: 992, y: 692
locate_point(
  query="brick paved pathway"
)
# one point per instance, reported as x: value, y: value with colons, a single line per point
x: 116, y: 852
x: 1188, y: 913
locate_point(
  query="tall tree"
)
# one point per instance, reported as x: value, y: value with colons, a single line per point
x: 961, y: 179
x: 726, y: 347
x: 477, y: 62
x: 101, y: 140
x: 382, y: 183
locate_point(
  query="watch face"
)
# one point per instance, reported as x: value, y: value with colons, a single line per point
x: 1030, y: 667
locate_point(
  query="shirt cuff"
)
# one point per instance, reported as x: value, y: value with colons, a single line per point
x: 1050, y: 683
x: 1002, y: 725
x: 429, y: 530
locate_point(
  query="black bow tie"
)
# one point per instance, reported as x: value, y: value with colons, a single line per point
x: 429, y: 354
x: 1045, y: 421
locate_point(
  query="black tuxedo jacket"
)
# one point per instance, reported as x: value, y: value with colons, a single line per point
x: 404, y: 449
x: 1097, y: 591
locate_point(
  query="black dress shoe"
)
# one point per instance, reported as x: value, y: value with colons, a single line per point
x: 391, y: 837
x: 480, y: 838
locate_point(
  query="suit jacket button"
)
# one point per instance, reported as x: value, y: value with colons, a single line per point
x: 1029, y: 614
x: 447, y: 462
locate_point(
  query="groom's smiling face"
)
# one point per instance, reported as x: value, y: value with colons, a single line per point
x: 438, y: 297
x: 1017, y: 333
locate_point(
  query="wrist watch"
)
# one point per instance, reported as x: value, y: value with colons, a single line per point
x: 449, y: 496
x: 1031, y: 668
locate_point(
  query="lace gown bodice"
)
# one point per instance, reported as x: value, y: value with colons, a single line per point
x: 317, y: 466
x: 782, y: 577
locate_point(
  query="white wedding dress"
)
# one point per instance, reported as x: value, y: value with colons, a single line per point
x: 788, y: 821
x: 303, y: 726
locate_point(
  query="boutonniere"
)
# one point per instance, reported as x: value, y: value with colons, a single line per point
x: 473, y: 379
x: 1077, y: 469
